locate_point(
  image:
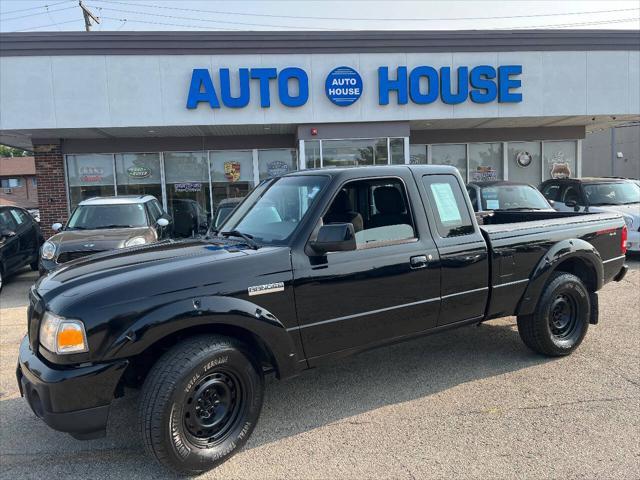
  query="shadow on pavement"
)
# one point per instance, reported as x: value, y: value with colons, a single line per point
x: 391, y: 375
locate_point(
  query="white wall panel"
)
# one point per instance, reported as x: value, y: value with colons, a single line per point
x: 139, y: 90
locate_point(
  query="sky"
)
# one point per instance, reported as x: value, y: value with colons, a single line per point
x: 223, y: 15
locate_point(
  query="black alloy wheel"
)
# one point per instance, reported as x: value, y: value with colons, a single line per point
x: 561, y: 319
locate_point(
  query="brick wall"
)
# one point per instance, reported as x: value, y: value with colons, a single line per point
x: 25, y: 196
x: 52, y: 195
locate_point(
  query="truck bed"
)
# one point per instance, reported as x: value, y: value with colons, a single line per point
x: 518, y: 241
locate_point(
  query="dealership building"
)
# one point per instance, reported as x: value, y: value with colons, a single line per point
x: 198, y: 117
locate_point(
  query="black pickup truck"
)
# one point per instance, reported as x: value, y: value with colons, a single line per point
x: 310, y: 267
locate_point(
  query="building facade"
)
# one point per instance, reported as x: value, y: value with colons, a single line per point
x: 612, y: 152
x: 202, y: 116
x: 18, y: 182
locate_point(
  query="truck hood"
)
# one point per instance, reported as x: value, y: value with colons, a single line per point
x: 97, y: 240
x: 105, y: 280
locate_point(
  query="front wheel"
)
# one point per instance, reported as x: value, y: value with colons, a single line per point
x: 561, y: 318
x: 199, y: 403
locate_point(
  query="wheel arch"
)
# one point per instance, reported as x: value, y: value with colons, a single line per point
x: 153, y: 334
x: 574, y: 256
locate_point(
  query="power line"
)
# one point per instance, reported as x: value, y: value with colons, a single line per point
x: 298, y: 17
x: 129, y: 20
x: 41, y: 13
x: 228, y: 22
x: 45, y: 26
x: 561, y: 25
x: 33, y: 8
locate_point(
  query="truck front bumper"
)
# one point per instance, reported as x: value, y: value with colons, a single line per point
x: 69, y: 399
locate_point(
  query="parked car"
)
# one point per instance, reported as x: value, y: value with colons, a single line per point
x: 599, y: 195
x: 20, y: 240
x: 502, y: 195
x: 313, y: 266
x: 224, y: 208
x: 190, y: 219
x: 35, y: 213
x: 100, y: 224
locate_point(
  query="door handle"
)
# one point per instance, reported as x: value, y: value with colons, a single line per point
x: 419, y: 261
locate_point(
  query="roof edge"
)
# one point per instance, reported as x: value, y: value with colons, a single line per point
x: 365, y: 41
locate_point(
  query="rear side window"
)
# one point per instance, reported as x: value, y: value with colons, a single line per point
x: 449, y: 206
x: 550, y: 191
x: 19, y: 216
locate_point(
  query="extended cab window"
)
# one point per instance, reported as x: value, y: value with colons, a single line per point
x: 377, y: 208
x: 551, y: 191
x: 450, y: 208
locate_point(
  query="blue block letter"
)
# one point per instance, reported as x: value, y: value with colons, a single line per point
x: 200, y: 78
x: 264, y: 75
x: 241, y: 100
x: 481, y: 78
x: 385, y: 85
x: 431, y: 75
x: 505, y: 83
x: 445, y: 85
x: 283, y: 87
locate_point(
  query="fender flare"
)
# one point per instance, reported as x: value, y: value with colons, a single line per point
x: 572, y: 248
x: 169, y: 319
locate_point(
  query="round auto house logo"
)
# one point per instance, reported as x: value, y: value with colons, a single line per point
x: 343, y: 86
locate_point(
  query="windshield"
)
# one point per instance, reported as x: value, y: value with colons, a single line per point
x: 513, y: 197
x: 92, y: 217
x: 621, y: 193
x: 273, y: 210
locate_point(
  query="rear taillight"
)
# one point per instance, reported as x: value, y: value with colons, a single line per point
x: 623, y: 238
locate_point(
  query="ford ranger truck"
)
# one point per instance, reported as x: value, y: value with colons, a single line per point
x: 312, y: 266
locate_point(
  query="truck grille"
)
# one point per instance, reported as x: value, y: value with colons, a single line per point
x: 65, y: 257
x: 34, y: 316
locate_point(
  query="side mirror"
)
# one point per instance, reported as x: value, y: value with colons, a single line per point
x: 56, y: 227
x: 552, y: 202
x: 335, y: 237
x: 6, y: 233
x: 162, y: 222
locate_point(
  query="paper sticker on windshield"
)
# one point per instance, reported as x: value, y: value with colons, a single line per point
x: 446, y: 203
x: 493, y: 204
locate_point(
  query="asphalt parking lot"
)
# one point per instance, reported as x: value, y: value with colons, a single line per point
x: 469, y: 403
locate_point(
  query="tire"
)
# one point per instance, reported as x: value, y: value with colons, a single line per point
x: 561, y: 319
x: 181, y: 424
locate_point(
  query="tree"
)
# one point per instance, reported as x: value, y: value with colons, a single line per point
x: 6, y: 151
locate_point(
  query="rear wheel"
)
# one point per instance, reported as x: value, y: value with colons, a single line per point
x: 561, y: 319
x: 199, y: 403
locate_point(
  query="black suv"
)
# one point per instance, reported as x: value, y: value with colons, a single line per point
x: 20, y: 240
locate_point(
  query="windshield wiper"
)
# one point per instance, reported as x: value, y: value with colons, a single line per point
x: 113, y: 226
x: 245, y: 236
x: 519, y: 208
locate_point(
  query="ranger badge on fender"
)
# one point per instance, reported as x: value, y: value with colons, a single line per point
x: 267, y: 288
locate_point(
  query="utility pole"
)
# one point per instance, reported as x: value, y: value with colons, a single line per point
x: 88, y: 16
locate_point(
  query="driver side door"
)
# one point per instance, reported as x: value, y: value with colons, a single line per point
x: 389, y: 287
x: 9, y: 245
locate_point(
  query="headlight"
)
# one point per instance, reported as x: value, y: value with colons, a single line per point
x: 48, y: 250
x: 62, y: 335
x: 132, y: 242
x: 628, y: 220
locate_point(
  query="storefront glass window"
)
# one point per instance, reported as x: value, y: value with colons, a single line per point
x: 485, y: 161
x: 231, y: 174
x: 312, y: 153
x: 417, y: 154
x: 451, y: 154
x: 139, y: 174
x: 559, y: 159
x: 89, y: 176
x: 525, y: 163
x: 397, y: 150
x: 272, y: 163
x: 355, y: 152
x: 187, y: 180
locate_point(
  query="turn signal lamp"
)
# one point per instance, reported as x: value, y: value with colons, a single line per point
x: 62, y: 335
